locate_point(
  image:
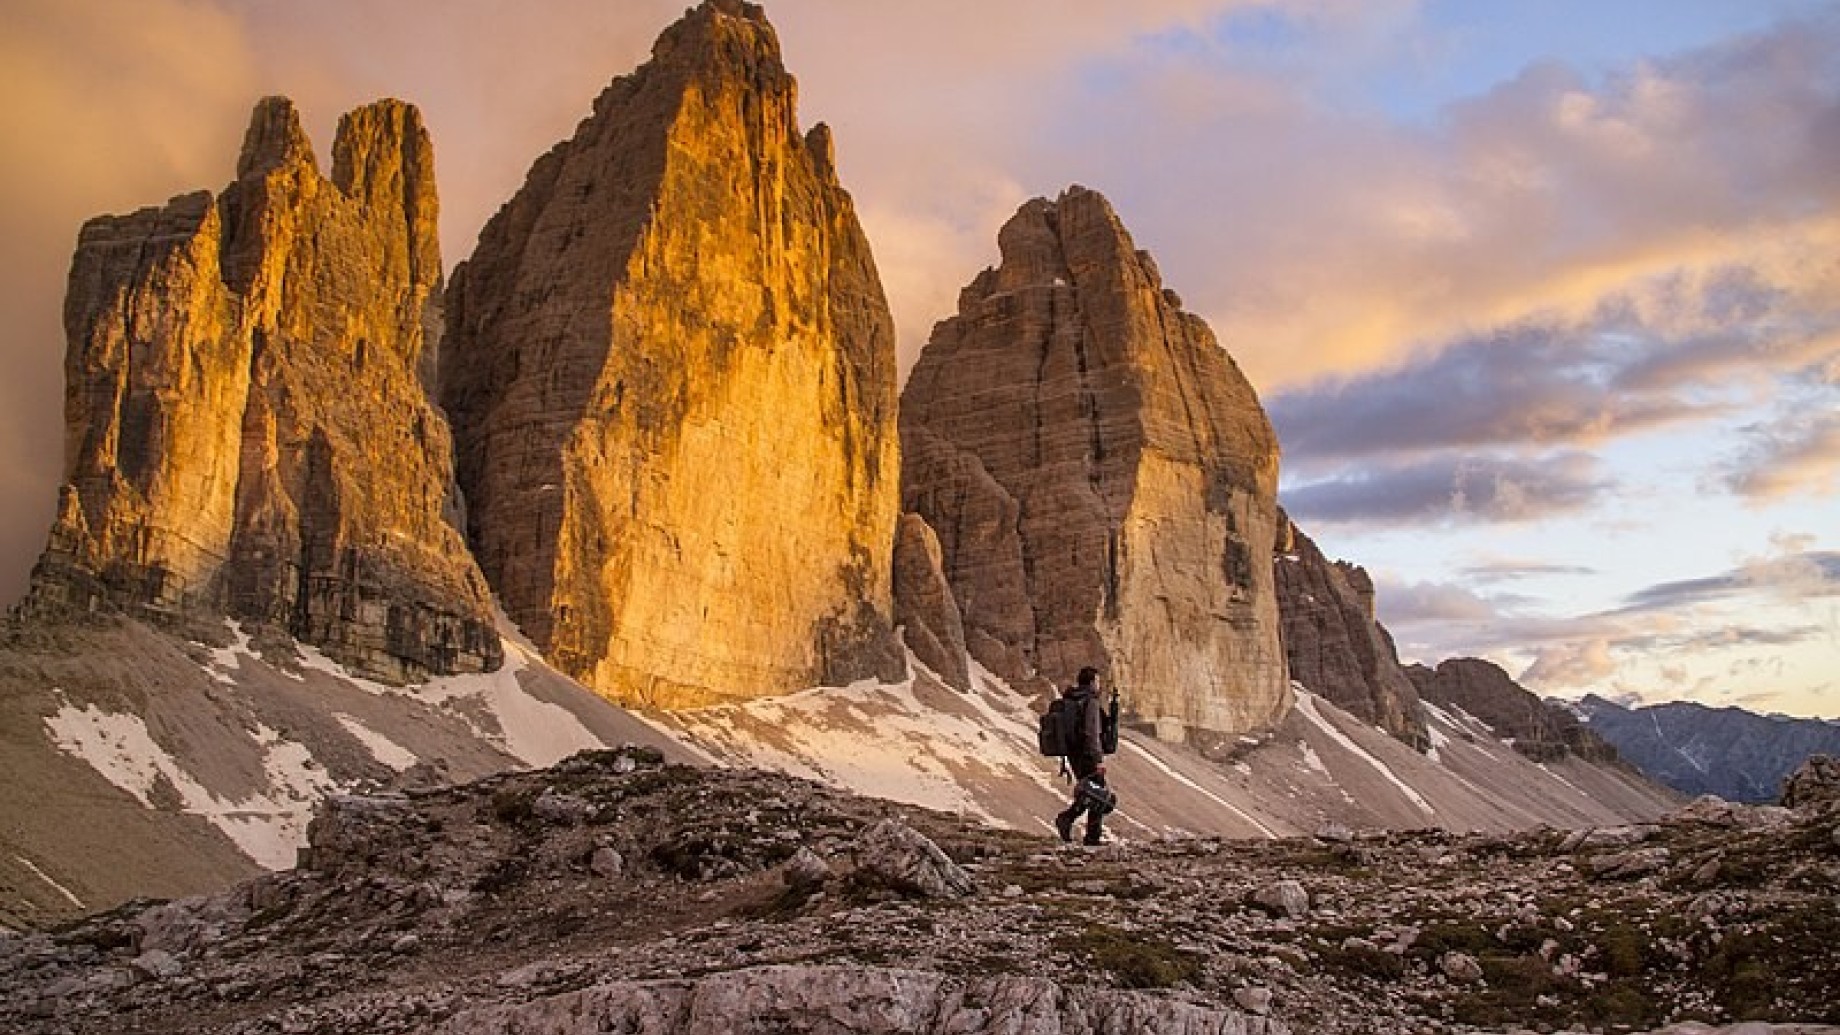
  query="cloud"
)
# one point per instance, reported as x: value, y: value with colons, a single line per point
x: 1452, y: 488
x: 1578, y: 665
x: 1524, y: 386
x: 1798, y: 455
x: 1508, y: 569
x: 1418, y: 603
x: 1792, y: 577
x: 1322, y: 238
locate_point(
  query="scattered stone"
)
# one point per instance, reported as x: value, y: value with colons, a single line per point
x: 1460, y: 966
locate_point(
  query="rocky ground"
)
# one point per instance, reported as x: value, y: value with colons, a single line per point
x: 614, y: 892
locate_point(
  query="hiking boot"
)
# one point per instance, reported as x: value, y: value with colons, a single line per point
x: 1094, y: 835
x: 1064, y: 824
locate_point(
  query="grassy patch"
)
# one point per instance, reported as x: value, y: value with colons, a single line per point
x: 1134, y: 960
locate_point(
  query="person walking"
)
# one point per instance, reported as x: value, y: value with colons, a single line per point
x: 1084, y: 717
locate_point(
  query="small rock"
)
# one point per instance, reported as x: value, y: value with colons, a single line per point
x: 1283, y: 898
x: 406, y: 944
x: 1627, y: 865
x: 806, y: 870
x: 561, y: 809
x: 1617, y: 837
x: 1707, y: 872
x: 1253, y: 999
x: 157, y: 964
x: 1012, y: 891
x: 1460, y: 966
x: 605, y: 862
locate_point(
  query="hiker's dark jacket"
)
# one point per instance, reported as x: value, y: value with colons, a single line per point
x: 1085, y: 746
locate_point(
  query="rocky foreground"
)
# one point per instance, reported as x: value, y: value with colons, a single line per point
x: 618, y: 893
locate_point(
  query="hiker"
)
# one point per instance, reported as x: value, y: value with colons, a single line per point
x: 1083, y: 739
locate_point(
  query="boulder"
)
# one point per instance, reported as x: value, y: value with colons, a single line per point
x: 896, y: 856
x: 1815, y: 783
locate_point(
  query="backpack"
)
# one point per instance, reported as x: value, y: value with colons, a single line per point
x: 1051, y: 736
x: 1059, y: 728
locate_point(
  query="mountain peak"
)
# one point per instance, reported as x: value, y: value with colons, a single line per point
x: 274, y: 139
x: 627, y: 435
x: 1102, y: 477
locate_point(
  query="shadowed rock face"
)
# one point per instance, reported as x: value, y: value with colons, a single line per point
x: 1101, y: 477
x: 248, y: 431
x: 1540, y: 729
x: 923, y: 606
x: 1333, y: 643
x: 671, y: 374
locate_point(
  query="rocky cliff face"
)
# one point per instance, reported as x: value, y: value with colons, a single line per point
x: 1101, y: 477
x: 1334, y: 644
x: 1540, y: 729
x: 248, y: 428
x: 671, y: 374
x: 923, y: 605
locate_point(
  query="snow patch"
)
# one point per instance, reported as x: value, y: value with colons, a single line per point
x: 225, y: 661
x: 269, y: 827
x: 1438, y: 742
x: 382, y: 748
x: 1306, y: 706
x: 881, y: 740
x: 46, y: 877
x: 535, y: 732
x: 1311, y: 760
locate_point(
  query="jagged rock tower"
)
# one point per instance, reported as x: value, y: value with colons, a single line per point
x: 671, y: 374
x: 1333, y: 642
x: 248, y: 428
x: 1101, y: 477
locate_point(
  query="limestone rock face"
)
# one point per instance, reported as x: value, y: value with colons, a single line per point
x: 671, y: 373
x: 923, y: 606
x: 1333, y: 643
x: 248, y: 431
x: 1101, y: 477
x: 1541, y: 730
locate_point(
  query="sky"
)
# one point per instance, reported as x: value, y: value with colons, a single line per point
x: 1543, y: 296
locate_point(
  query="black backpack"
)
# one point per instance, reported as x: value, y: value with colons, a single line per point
x: 1059, y: 728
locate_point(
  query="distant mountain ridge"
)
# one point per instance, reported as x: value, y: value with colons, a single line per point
x: 1735, y: 754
